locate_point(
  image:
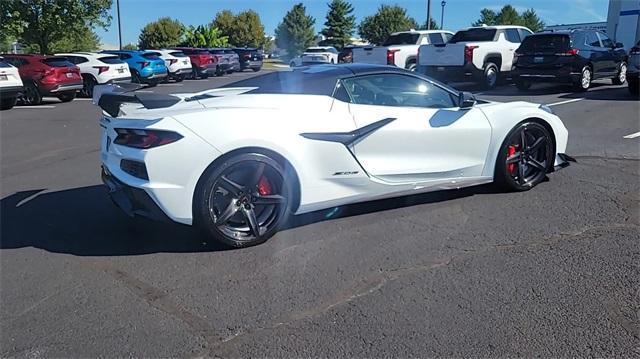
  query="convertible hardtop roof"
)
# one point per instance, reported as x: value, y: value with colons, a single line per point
x: 312, y: 80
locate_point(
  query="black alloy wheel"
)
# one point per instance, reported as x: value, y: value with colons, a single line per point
x: 135, y: 77
x: 244, y: 201
x: 525, y: 157
x: 67, y: 96
x: 31, y: 95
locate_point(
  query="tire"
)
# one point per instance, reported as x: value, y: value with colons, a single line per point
x: 515, y: 172
x: 89, y: 83
x: 179, y: 78
x: 586, y: 76
x: 232, y: 192
x: 135, y: 77
x: 621, y: 76
x: 633, y: 87
x: 256, y: 69
x: 204, y: 76
x: 67, y: 96
x: 219, y: 73
x: 491, y: 76
x: 412, y: 66
x: 7, y: 103
x: 522, y: 85
x: 32, y: 95
x: 152, y: 82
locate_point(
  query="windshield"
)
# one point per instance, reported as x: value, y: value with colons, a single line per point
x: 473, y: 35
x: 402, y: 39
x: 545, y: 43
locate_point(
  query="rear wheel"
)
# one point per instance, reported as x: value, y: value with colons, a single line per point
x: 152, y: 82
x: 135, y: 77
x: 7, y: 103
x: 243, y: 201
x: 179, y: 78
x: 634, y: 89
x: 583, y: 84
x: 31, y: 94
x: 89, y: 83
x: 491, y: 74
x: 522, y: 85
x: 67, y: 96
x: 621, y: 77
x: 412, y: 66
x: 256, y: 69
x: 525, y: 157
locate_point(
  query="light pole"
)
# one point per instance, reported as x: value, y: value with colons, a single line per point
x: 119, y: 27
x: 428, y: 14
x: 443, y: 4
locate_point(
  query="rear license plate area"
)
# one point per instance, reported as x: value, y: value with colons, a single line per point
x: 538, y: 59
x: 69, y: 74
x: 3, y: 77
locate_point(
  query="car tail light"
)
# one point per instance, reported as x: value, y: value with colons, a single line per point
x: 101, y: 69
x: 635, y: 50
x: 172, y: 61
x: 391, y: 57
x: 144, y: 139
x: 570, y: 52
x: 144, y: 64
x: 468, y: 53
x: 246, y: 56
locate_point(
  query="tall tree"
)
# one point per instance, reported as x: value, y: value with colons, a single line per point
x: 205, y: 36
x: 434, y: 25
x: 487, y: 17
x: 340, y: 24
x: 225, y: 21
x: 165, y: 32
x: 295, y: 32
x: 508, y: 15
x: 45, y: 21
x: 531, y: 20
x: 248, y: 30
x: 387, y: 20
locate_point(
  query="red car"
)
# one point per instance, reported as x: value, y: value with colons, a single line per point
x: 203, y: 62
x: 46, y: 76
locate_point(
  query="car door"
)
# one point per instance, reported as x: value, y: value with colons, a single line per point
x: 611, y: 54
x: 598, y: 55
x: 413, y: 131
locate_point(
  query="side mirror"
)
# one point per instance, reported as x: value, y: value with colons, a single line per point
x: 466, y: 100
x: 618, y: 45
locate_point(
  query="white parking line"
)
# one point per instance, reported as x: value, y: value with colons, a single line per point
x: 633, y: 135
x: 565, y: 102
x: 171, y: 85
x: 82, y: 99
x: 145, y: 91
x: 36, y: 107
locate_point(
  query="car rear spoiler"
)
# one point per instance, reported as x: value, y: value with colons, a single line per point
x: 110, y: 97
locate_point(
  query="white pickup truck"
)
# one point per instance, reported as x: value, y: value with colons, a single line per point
x: 401, y: 48
x: 480, y: 54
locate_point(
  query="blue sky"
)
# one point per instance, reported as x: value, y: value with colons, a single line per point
x: 458, y: 13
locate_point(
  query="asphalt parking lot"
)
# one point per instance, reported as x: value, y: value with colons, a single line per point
x: 553, y: 272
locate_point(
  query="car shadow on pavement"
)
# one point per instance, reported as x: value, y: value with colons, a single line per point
x: 84, y: 222
x: 620, y: 93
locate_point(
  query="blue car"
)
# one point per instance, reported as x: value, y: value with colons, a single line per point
x: 146, y: 66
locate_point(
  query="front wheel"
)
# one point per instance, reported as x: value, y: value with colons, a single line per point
x: 244, y: 200
x: 621, y: 77
x: 525, y: 157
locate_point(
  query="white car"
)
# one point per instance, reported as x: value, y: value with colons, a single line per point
x: 10, y: 85
x: 178, y: 64
x: 98, y: 69
x: 319, y: 55
x: 481, y: 54
x: 237, y: 160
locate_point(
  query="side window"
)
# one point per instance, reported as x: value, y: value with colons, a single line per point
x: 591, y: 39
x: 341, y: 93
x: 424, y: 40
x: 397, y: 90
x: 447, y: 36
x: 125, y: 56
x: 606, y: 41
x: 436, y: 39
x: 512, y: 35
x: 79, y: 60
x: 523, y: 33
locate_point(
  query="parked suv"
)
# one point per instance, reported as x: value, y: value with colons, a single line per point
x: 98, y: 69
x: 146, y: 66
x: 250, y: 58
x: 573, y: 57
x: 10, y: 85
x: 633, y: 69
x: 46, y: 76
x: 227, y: 62
x: 177, y: 62
x: 481, y: 54
x: 202, y: 62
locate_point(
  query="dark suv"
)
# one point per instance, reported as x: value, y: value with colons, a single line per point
x: 574, y: 57
x: 46, y: 76
x: 249, y: 58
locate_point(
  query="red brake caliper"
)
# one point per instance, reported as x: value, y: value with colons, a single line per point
x: 264, y: 187
x: 511, y: 150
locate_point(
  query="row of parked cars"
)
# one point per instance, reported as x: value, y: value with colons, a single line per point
x: 29, y: 78
x: 487, y: 55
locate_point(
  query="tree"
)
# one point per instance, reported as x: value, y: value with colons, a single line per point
x: 85, y: 40
x: 508, y: 16
x: 130, y: 47
x: 434, y: 25
x: 43, y: 22
x: 248, y: 30
x: 295, y: 32
x: 487, y: 17
x: 387, y: 20
x: 165, y: 32
x: 205, y: 36
x: 225, y: 21
x: 340, y: 24
x: 531, y: 20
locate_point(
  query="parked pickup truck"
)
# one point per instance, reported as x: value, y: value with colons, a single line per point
x: 401, y: 48
x: 479, y: 54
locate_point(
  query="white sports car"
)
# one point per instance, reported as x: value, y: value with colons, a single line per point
x: 237, y: 160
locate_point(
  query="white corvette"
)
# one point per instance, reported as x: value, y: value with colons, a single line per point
x: 236, y: 161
